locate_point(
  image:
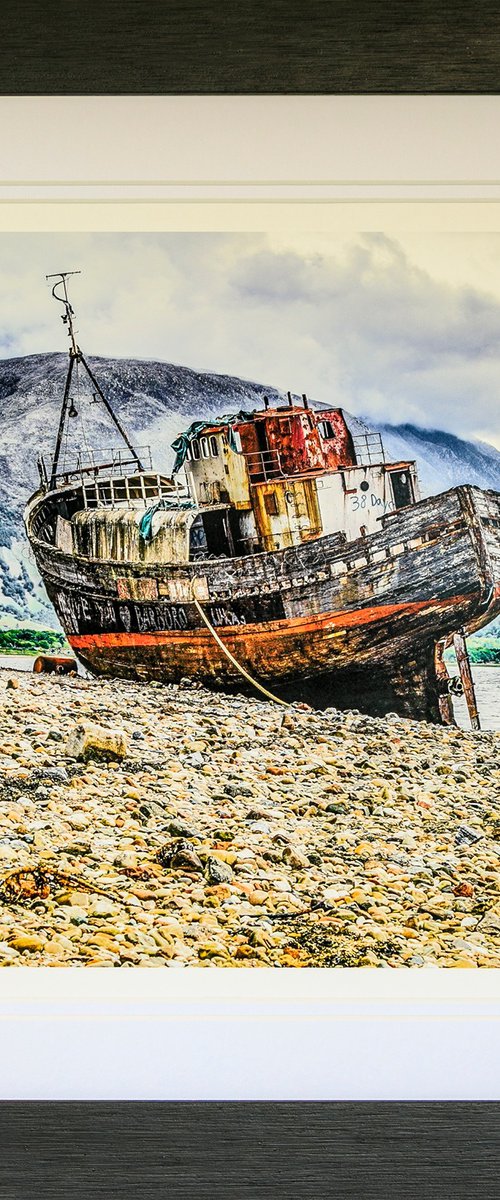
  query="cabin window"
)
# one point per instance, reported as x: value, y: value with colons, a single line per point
x: 271, y: 504
x: 326, y: 430
x: 195, y: 449
x: 237, y: 440
x: 402, y: 488
x: 205, y: 448
x: 214, y: 449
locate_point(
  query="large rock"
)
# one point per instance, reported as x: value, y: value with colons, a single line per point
x: 88, y: 741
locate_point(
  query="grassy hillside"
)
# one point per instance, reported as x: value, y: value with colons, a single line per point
x: 484, y: 649
x: 32, y: 641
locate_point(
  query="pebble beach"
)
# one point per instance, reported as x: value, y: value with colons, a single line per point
x: 232, y: 832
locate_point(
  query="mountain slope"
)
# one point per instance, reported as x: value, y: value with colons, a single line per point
x: 154, y: 401
x: 443, y: 459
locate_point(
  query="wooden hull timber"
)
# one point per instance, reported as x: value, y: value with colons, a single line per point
x: 352, y: 624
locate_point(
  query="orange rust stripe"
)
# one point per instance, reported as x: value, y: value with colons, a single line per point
x: 288, y: 626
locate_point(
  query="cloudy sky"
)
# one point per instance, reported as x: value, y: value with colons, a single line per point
x: 400, y: 328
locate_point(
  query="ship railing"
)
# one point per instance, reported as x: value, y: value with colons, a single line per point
x: 111, y: 477
x: 369, y: 449
x: 107, y: 461
x: 264, y: 465
x: 110, y: 460
x: 128, y: 491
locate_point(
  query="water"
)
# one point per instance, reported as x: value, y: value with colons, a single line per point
x: 487, y: 684
x: 17, y: 662
x: 486, y: 679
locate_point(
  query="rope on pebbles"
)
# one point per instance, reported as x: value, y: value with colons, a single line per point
x: 232, y: 659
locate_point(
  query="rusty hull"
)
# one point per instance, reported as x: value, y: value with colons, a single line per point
x: 348, y: 623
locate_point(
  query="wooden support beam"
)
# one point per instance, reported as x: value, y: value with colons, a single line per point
x: 444, y: 699
x: 464, y: 666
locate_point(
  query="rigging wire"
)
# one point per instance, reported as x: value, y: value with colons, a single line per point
x: 65, y: 448
x: 81, y: 415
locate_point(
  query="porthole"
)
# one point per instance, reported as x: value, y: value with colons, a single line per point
x: 364, y: 485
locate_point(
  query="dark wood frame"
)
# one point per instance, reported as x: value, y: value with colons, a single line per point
x: 274, y: 1150
x: 97, y: 1151
x: 82, y: 47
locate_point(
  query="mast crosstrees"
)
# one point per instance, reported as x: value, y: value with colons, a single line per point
x: 76, y: 356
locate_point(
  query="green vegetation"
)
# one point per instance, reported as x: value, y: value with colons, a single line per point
x: 485, y: 649
x: 32, y: 641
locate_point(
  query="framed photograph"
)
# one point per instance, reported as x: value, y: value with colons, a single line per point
x: 250, y: 685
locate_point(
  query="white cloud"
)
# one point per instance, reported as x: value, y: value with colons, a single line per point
x: 404, y: 329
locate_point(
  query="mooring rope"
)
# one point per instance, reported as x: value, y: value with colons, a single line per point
x: 232, y: 659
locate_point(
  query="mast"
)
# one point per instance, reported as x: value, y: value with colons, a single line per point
x: 76, y: 356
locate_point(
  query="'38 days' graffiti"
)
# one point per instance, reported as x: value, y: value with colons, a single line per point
x: 371, y: 500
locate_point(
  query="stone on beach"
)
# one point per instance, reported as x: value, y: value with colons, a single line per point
x: 217, y: 871
x: 227, y: 836
x: 87, y: 741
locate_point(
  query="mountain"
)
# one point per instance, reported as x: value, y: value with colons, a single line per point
x: 154, y: 401
x: 443, y: 459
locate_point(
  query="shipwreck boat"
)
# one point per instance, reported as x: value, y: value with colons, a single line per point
x: 296, y: 557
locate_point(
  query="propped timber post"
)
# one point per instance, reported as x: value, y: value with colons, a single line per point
x: 463, y: 660
x: 443, y: 681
